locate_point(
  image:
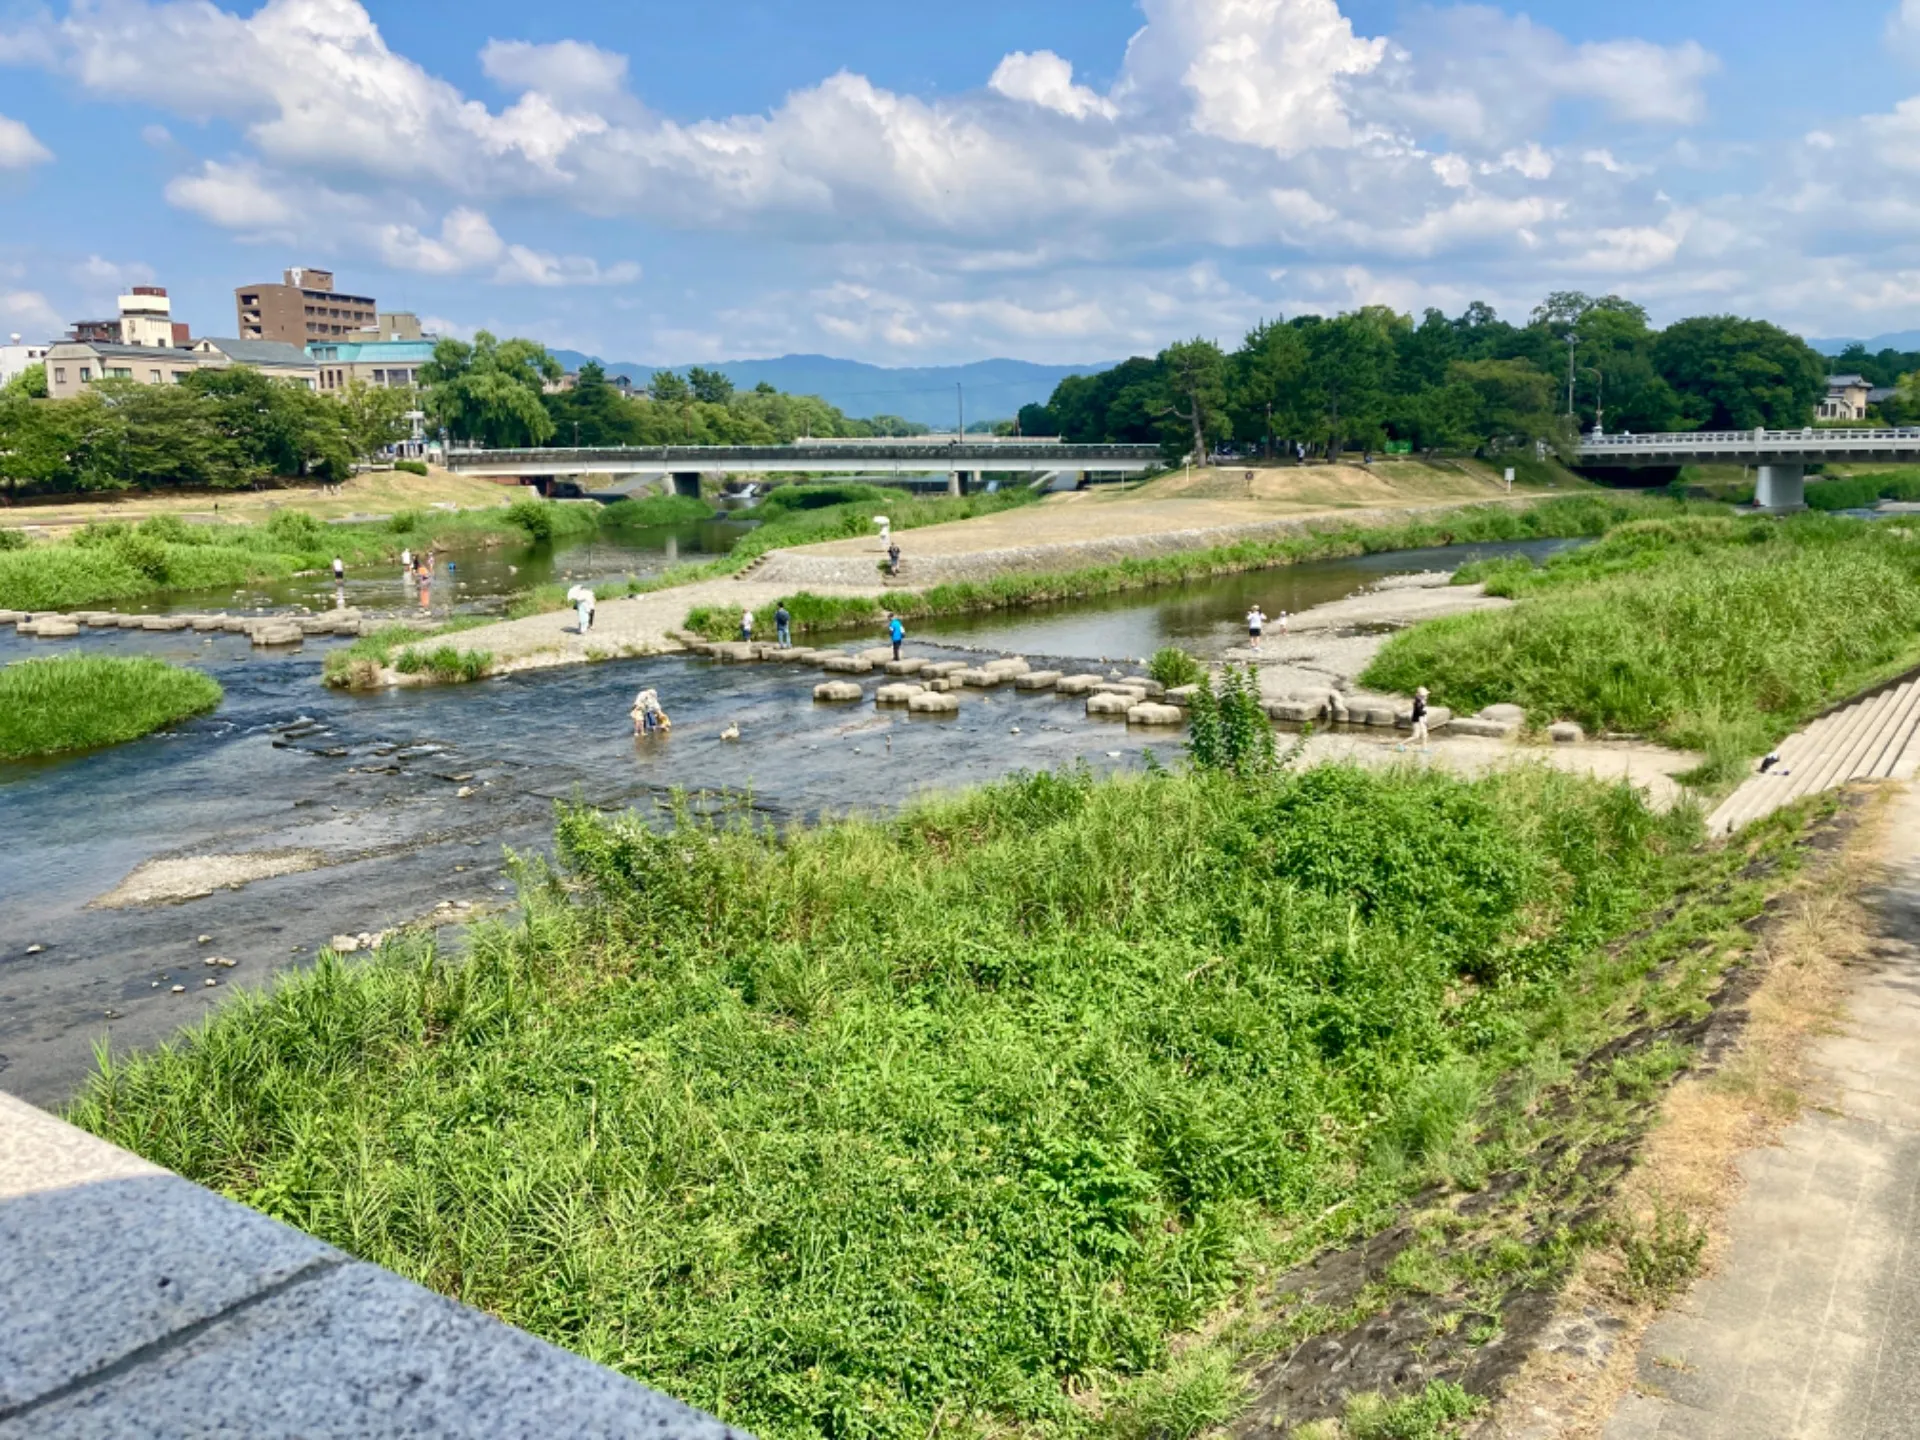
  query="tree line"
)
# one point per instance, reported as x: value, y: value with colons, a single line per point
x: 216, y: 429
x: 1372, y: 378
x: 501, y: 394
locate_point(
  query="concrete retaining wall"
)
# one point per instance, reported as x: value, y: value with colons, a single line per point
x: 137, y: 1303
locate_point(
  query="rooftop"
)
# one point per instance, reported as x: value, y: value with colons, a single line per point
x: 349, y: 352
x: 256, y: 352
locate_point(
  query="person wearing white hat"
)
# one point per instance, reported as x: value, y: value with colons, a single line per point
x: 1420, y: 716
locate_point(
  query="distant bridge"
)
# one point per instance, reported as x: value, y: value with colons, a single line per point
x: 1781, y: 457
x: 962, y: 461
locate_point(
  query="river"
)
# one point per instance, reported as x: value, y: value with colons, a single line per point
x: 368, y: 786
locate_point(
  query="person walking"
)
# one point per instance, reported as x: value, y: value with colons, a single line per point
x: 1420, y: 717
x: 782, y: 625
x: 746, y: 626
x: 893, y: 559
x: 896, y: 632
x: 1256, y: 622
x: 339, y: 570
x: 583, y: 607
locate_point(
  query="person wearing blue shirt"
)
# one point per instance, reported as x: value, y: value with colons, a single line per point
x: 896, y: 632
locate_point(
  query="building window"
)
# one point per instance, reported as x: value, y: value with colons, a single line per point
x: 178, y: 376
x: 153, y: 377
x: 86, y: 374
x: 59, y: 374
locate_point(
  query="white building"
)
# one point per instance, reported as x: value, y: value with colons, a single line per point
x: 15, y: 357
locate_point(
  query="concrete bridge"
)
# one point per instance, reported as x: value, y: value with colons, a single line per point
x: 1780, y: 457
x: 961, y: 461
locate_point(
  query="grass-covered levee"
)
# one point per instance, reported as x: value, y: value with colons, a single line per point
x: 945, y: 1122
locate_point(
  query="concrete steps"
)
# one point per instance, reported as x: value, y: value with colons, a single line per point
x: 1876, y: 739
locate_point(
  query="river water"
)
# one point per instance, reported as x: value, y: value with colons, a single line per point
x: 367, y: 785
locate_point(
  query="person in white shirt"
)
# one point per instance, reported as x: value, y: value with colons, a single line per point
x: 1256, y: 622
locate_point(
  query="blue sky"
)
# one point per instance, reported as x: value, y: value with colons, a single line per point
x: 921, y: 184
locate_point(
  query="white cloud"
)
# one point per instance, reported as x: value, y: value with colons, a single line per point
x: 1903, y: 28
x: 18, y: 147
x: 1455, y: 172
x: 568, y: 67
x: 234, y: 197
x: 1042, y: 78
x: 101, y: 274
x: 467, y: 242
x: 1258, y: 72
x: 31, y: 314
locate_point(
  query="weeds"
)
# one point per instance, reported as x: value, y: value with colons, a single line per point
x: 1433, y: 1414
x: 76, y: 702
x: 1174, y: 667
x: 1658, y: 1257
x: 446, y: 663
x: 835, y: 1132
x: 1228, y: 728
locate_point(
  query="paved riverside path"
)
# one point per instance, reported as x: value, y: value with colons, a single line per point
x: 635, y: 625
x: 1810, y: 1326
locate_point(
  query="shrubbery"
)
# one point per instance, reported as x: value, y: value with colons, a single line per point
x: 76, y: 702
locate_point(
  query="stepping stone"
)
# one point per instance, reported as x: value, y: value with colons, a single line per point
x: 1152, y: 714
x: 878, y: 655
x: 1488, y: 729
x: 1565, y: 732
x: 981, y: 679
x: 1504, y: 714
x: 1011, y: 665
x: 840, y: 664
x: 1078, y: 684
x: 277, y: 634
x: 164, y: 622
x: 1297, y: 712
x: 837, y: 691
x: 942, y: 669
x: 205, y: 623
x: 899, y: 694
x: 905, y: 667
x: 928, y: 703
x: 133, y: 622
x: 1120, y: 687
x: 13, y: 617
x: 1182, y: 695
x: 51, y: 627
x: 1109, y: 704
x: 1037, y: 680
x: 733, y: 652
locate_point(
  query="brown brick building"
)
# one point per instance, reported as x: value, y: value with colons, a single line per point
x: 302, y: 309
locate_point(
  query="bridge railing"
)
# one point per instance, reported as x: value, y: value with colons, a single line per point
x: 1805, y: 438
x: 975, y: 454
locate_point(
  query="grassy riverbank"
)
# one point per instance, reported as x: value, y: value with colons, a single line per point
x: 111, y: 562
x: 952, y: 1122
x: 77, y: 702
x: 1590, y: 513
x: 1709, y: 632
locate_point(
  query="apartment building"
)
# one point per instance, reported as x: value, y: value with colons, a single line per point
x: 145, y: 318
x: 73, y: 365
x: 15, y: 357
x: 303, y: 309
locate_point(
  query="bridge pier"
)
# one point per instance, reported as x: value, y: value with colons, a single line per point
x: 959, y: 482
x: 687, y: 482
x: 1781, y: 488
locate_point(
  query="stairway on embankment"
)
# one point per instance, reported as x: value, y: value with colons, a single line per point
x: 1875, y: 738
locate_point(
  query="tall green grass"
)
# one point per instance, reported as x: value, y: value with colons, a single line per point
x: 76, y: 702
x: 105, y: 563
x: 1711, y: 632
x: 840, y: 1133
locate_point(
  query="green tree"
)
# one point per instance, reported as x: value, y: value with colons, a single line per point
x: 1735, y: 374
x: 1349, y: 369
x: 375, y: 417
x: 709, y: 386
x: 667, y: 388
x: 1269, y: 369
x: 30, y: 382
x: 491, y: 390
x: 36, y: 445
x: 593, y: 412
x: 1196, y: 395
x: 1512, y: 400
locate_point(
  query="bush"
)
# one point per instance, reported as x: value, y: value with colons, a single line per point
x: 297, y: 530
x: 411, y: 467
x: 1229, y: 730
x: 144, y: 554
x: 1433, y: 1414
x: 447, y: 663
x: 12, y: 540
x: 1174, y: 667
x: 535, y: 517
x: 1658, y: 1259
x: 405, y: 522
x: 169, y: 529
x: 656, y: 510
x: 75, y: 702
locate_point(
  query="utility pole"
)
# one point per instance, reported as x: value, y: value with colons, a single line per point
x: 959, y: 412
x: 1572, y: 340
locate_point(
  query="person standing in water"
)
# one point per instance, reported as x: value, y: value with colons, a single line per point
x: 896, y: 632
x: 339, y: 570
x: 782, y: 625
x: 1256, y: 622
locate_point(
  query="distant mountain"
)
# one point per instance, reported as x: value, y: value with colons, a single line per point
x: 1904, y: 341
x: 991, y: 389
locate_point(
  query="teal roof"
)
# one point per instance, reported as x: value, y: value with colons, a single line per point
x: 372, y: 352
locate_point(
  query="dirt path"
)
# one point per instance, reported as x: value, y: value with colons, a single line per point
x: 1810, y: 1325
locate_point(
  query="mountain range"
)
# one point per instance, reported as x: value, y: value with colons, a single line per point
x: 988, y: 389
x: 1905, y: 341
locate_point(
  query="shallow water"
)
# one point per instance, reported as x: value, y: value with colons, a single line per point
x: 372, y: 787
x: 1204, y: 617
x: 370, y: 782
x: 474, y: 579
